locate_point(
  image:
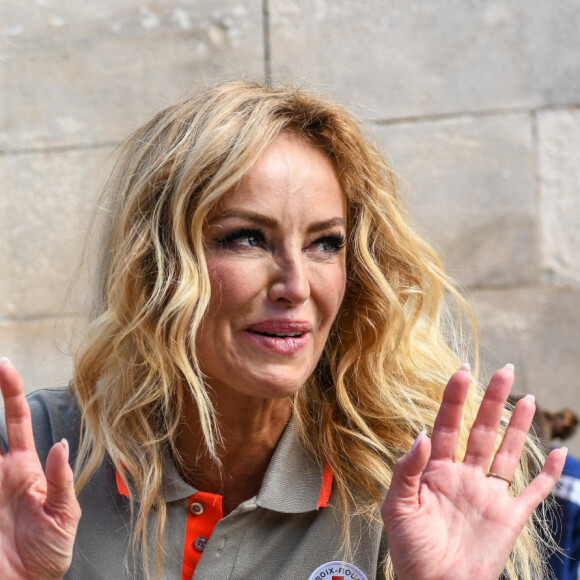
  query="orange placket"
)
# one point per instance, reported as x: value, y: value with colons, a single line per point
x: 204, y: 513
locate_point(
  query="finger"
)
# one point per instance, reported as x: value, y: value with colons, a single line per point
x: 507, y: 457
x: 61, y: 502
x: 404, y: 488
x: 448, y: 421
x: 543, y: 483
x: 18, y: 422
x: 483, y: 435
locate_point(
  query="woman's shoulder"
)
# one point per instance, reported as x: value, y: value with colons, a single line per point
x: 55, y: 416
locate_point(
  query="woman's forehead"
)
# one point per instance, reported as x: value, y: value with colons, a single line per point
x: 291, y: 178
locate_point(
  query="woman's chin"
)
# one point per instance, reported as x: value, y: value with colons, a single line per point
x: 275, y: 387
x: 276, y: 390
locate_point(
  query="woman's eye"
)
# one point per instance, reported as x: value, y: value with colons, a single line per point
x: 249, y: 240
x: 330, y: 244
x: 242, y: 238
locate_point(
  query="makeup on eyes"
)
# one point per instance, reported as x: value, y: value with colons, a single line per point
x: 230, y: 238
x: 336, y: 241
x: 252, y: 237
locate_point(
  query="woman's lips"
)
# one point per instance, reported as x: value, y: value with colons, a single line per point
x: 280, y: 336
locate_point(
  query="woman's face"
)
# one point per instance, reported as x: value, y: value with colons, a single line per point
x: 275, y: 248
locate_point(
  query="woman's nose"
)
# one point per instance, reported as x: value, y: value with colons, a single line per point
x: 290, y: 283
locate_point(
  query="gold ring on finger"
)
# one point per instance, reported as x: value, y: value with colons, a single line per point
x: 499, y: 476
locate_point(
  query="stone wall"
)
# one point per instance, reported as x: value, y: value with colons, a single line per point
x: 477, y: 104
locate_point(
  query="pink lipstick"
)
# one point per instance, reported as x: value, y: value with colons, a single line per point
x: 280, y: 336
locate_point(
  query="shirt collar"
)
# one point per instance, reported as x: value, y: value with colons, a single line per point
x: 173, y: 486
x: 294, y: 482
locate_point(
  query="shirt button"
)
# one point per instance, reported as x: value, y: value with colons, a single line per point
x: 200, y: 543
x: 196, y: 508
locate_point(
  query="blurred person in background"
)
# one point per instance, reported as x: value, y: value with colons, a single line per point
x: 565, y: 518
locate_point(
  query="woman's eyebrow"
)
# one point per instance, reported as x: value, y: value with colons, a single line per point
x: 251, y: 216
x: 326, y: 224
x: 269, y: 222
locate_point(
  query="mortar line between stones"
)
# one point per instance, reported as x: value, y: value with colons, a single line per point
x: 537, y: 193
x: 58, y: 148
x: 38, y: 318
x: 469, y: 288
x: 267, y: 42
x: 472, y: 114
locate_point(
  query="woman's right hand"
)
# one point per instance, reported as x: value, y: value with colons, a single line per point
x: 39, y: 513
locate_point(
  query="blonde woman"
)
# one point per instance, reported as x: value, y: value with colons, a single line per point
x: 267, y: 340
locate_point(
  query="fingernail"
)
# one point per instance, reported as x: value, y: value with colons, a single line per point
x: 509, y: 367
x: 66, y: 447
x: 465, y: 367
x: 530, y: 397
x: 564, y: 450
x: 419, y: 437
x: 4, y: 360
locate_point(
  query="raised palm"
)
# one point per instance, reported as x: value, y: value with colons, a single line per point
x: 447, y: 519
x: 39, y: 512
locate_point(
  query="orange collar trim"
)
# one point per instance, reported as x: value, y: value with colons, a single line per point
x: 121, y: 486
x: 323, y: 498
x: 326, y: 487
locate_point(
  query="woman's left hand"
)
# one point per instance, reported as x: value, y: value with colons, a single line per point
x: 446, y: 519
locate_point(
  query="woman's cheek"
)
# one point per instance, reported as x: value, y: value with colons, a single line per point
x: 237, y: 278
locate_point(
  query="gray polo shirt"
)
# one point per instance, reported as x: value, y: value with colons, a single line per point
x: 290, y: 531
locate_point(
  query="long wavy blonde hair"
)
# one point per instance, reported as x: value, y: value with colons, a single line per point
x: 391, y: 349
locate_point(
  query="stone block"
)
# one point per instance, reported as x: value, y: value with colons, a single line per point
x: 471, y: 188
x: 46, y: 200
x: 429, y: 57
x: 538, y: 331
x: 43, y: 23
x: 559, y: 185
x: 40, y: 350
x: 95, y: 78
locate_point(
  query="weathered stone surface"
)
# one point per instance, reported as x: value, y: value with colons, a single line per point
x: 538, y: 331
x: 40, y: 351
x: 404, y: 59
x: 559, y: 185
x: 45, y: 203
x: 93, y: 80
x: 472, y: 190
x: 42, y: 23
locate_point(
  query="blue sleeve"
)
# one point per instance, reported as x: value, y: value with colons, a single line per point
x: 566, y: 522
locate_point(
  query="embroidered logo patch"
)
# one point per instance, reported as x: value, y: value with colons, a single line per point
x: 337, y: 571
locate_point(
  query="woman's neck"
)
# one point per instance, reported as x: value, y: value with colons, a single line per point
x: 250, y: 429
